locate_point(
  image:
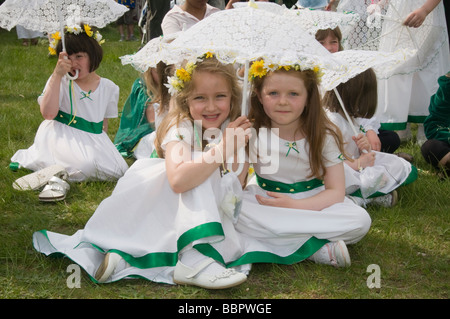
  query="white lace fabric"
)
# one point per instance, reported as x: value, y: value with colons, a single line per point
x: 247, y: 34
x: 314, y: 20
x: 382, y: 30
x: 150, y: 55
x: 42, y: 15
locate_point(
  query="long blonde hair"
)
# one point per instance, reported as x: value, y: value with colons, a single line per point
x: 156, y: 89
x: 180, y: 110
x: 313, y: 122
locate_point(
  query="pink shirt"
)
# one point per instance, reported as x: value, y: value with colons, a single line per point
x: 177, y: 19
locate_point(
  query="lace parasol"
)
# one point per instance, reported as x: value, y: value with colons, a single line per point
x: 43, y: 15
x: 149, y: 55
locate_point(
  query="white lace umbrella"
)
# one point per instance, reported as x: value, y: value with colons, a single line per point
x: 52, y: 15
x: 149, y: 55
x: 310, y: 19
x: 314, y: 20
x: 43, y: 15
x: 246, y: 34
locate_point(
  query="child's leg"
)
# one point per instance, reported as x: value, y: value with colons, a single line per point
x: 436, y: 153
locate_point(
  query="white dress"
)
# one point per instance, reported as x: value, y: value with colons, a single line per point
x: 145, y: 147
x: 149, y: 224
x: 81, y: 147
x: 388, y: 173
x: 404, y: 96
x: 284, y: 235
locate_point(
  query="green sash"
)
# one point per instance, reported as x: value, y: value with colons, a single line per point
x: 279, y: 187
x: 79, y: 123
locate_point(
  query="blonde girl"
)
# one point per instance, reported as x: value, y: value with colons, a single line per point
x: 165, y: 219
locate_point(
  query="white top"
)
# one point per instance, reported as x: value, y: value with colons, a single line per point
x: 178, y: 20
x: 93, y: 106
x: 289, y: 163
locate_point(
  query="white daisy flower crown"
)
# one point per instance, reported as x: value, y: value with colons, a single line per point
x: 56, y: 37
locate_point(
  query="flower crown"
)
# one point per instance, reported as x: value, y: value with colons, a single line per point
x: 75, y: 30
x: 177, y: 82
x: 260, y: 68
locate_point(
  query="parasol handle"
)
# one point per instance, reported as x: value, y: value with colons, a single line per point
x: 241, y: 152
x: 70, y: 77
x: 346, y: 114
x: 61, y: 24
x: 245, y: 89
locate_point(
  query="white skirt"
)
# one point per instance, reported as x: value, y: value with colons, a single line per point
x: 149, y: 225
x: 388, y: 173
x: 85, y: 156
x: 287, y: 236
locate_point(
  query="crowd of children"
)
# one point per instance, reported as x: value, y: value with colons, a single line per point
x: 189, y: 219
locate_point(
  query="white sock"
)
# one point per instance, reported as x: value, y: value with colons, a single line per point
x: 192, y: 257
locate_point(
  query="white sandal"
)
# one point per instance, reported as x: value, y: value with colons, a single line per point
x: 55, y: 190
x: 39, y: 178
x: 194, y: 276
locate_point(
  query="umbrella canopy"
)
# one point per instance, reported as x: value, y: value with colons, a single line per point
x: 149, y: 55
x: 44, y: 15
x: 311, y: 20
x: 247, y: 34
x: 314, y: 20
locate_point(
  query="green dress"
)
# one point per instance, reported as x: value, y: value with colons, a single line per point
x: 133, y: 122
x: 437, y: 124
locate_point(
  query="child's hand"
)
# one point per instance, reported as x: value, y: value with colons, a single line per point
x: 362, y: 142
x: 374, y: 140
x: 275, y: 199
x: 236, y: 136
x: 64, y: 65
x: 367, y: 159
x: 416, y: 18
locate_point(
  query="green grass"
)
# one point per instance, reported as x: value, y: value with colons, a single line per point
x: 409, y: 242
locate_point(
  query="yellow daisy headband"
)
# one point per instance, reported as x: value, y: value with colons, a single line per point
x: 260, y: 68
x: 177, y: 82
x: 75, y: 30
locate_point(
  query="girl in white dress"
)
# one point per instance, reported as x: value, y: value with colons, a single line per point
x: 295, y: 208
x: 370, y: 176
x: 165, y: 210
x: 73, y: 133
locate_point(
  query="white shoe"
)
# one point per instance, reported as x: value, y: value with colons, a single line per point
x: 195, y: 276
x: 39, y: 178
x: 55, y: 190
x: 334, y: 253
x: 107, y: 267
x: 406, y: 134
x: 420, y: 135
x: 388, y: 200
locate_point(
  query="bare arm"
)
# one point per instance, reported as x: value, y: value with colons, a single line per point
x: 416, y: 18
x: 49, y: 105
x: 185, y: 174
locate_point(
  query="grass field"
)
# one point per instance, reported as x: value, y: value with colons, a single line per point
x: 408, y: 244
